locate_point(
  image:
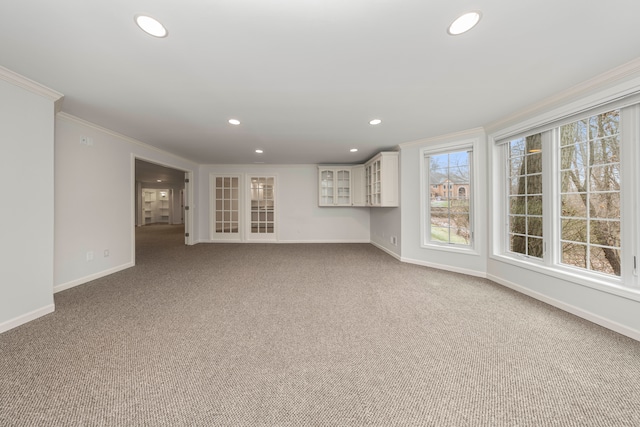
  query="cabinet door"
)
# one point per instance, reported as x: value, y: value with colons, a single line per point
x: 343, y: 187
x: 326, y: 182
x: 358, y: 190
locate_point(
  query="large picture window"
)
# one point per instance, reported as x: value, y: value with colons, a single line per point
x: 449, y: 191
x: 563, y: 208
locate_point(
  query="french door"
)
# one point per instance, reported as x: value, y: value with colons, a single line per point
x: 226, y: 207
x: 262, y: 208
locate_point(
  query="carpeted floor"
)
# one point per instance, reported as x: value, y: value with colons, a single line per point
x: 308, y: 335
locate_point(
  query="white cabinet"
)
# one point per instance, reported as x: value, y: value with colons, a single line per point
x: 358, y: 193
x: 381, y: 180
x: 373, y: 184
x: 334, y: 185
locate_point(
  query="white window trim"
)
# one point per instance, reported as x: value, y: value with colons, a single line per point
x: 469, y: 145
x: 627, y: 285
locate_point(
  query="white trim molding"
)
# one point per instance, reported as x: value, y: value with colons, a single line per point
x: 81, y: 281
x: 25, y: 318
x: 587, y: 315
x: 28, y: 84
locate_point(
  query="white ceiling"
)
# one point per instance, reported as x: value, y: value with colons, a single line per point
x: 306, y: 76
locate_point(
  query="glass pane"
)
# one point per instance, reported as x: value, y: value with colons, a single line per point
x: 534, y: 205
x: 570, y: 182
x: 574, y: 230
x: 604, y: 124
x: 516, y: 167
x: 574, y: 254
x: 534, y: 184
x: 518, y: 224
x: 605, y: 260
x: 605, y: 233
x: 519, y: 244
x: 573, y: 156
x: 574, y: 205
x: 573, y: 132
x: 517, y: 147
x: 535, y: 247
x: 605, y: 205
x: 517, y: 205
x: 605, y: 150
x: 605, y: 178
x: 534, y: 226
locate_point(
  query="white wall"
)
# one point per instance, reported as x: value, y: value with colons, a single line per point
x: 386, y: 223
x: 410, y: 198
x: 26, y: 212
x: 299, y: 219
x: 95, y: 199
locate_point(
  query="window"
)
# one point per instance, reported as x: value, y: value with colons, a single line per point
x: 590, y: 193
x: 563, y: 207
x: 524, y: 169
x: 448, y: 199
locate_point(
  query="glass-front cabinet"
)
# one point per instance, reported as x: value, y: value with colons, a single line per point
x: 381, y: 180
x: 335, y: 186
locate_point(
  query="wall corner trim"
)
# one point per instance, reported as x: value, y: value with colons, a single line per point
x: 30, y: 85
x: 25, y: 318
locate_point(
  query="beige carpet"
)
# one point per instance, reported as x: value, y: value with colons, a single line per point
x: 308, y: 335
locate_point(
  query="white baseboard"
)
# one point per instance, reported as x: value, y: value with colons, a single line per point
x: 387, y: 250
x: 285, y: 241
x: 445, y: 267
x: 587, y: 315
x: 83, y: 280
x: 27, y: 317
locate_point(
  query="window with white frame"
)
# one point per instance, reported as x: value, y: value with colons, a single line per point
x: 589, y: 151
x: 448, y: 187
x: 566, y: 205
x: 524, y: 170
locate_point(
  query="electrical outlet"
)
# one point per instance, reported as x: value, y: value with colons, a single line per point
x: 106, y: 253
x: 90, y: 256
x: 394, y: 240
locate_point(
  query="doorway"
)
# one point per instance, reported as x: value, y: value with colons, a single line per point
x: 161, y: 203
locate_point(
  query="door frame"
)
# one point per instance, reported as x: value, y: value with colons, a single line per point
x: 189, y: 198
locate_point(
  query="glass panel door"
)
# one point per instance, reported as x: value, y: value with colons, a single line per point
x: 226, y: 208
x: 262, y: 216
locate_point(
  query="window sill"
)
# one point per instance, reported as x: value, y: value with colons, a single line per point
x: 612, y: 286
x: 451, y: 248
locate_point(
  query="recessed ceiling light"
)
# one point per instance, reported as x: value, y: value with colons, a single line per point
x: 234, y: 122
x: 353, y: 150
x: 159, y: 180
x: 151, y: 26
x: 259, y: 151
x: 464, y: 23
x: 375, y: 122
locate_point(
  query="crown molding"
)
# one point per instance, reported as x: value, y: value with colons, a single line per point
x: 73, y: 119
x: 464, y: 134
x: 30, y: 85
x: 625, y: 73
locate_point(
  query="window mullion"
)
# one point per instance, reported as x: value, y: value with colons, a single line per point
x: 550, y: 196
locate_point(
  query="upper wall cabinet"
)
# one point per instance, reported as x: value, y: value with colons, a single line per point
x: 381, y: 180
x: 373, y: 184
x: 335, y: 186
